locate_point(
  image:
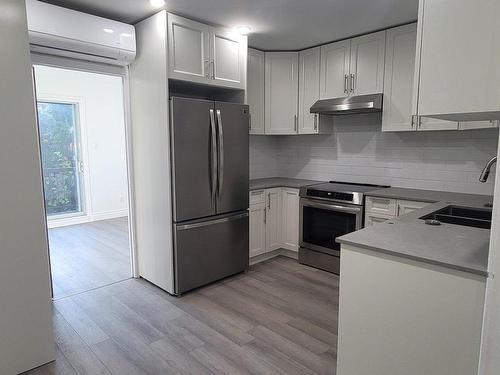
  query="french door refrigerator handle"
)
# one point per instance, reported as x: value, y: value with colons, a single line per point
x: 214, y: 154
x: 221, y: 152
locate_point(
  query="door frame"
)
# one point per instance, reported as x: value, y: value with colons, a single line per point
x: 119, y: 71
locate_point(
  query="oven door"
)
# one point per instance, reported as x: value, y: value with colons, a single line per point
x: 321, y: 223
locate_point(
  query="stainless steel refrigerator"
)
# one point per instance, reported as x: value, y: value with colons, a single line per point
x: 209, y: 145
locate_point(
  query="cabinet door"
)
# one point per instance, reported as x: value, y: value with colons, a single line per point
x: 478, y: 125
x: 367, y: 64
x: 405, y: 207
x: 227, y: 55
x: 398, y: 78
x: 334, y: 69
x: 309, y: 65
x: 257, y: 230
x: 273, y: 219
x: 281, y: 92
x: 255, y: 90
x: 290, y: 227
x: 372, y: 219
x: 379, y: 205
x: 188, y: 49
x: 428, y: 123
x: 460, y: 57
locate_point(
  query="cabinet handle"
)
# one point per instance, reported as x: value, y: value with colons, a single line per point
x: 269, y: 200
x: 213, y: 69
x: 353, y: 78
x: 346, y: 91
x: 295, y: 122
x: 265, y: 215
x: 207, y: 74
x: 249, y: 121
x: 315, y: 121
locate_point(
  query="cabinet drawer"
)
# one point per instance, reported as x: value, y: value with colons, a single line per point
x: 257, y: 196
x: 371, y: 218
x: 381, y: 205
x: 405, y: 207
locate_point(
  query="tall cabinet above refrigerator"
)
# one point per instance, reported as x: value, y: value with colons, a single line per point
x: 210, y: 174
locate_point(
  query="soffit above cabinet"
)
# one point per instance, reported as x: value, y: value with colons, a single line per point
x: 276, y: 25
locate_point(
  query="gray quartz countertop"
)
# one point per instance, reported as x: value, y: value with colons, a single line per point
x: 453, y: 246
x: 267, y: 183
x: 432, y: 196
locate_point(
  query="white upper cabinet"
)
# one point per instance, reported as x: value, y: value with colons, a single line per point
x: 189, y: 55
x: 459, y: 58
x: 281, y: 92
x: 255, y: 90
x: 366, y: 65
x: 334, y: 70
x: 227, y: 50
x: 204, y: 54
x: 309, y: 63
x: 353, y: 66
x: 398, y: 78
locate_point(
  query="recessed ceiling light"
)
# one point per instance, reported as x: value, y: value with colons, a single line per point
x: 157, y: 3
x: 244, y: 30
x: 109, y: 31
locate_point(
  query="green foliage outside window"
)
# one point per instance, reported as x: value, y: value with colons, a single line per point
x: 59, y: 157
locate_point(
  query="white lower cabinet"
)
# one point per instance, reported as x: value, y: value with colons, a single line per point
x: 371, y: 218
x: 290, y: 227
x: 274, y: 220
x: 257, y: 233
x: 379, y: 209
x: 405, y: 207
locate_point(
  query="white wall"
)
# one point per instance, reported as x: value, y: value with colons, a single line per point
x: 26, y: 338
x: 103, y: 133
x: 490, y: 353
x: 263, y: 158
x: 358, y: 151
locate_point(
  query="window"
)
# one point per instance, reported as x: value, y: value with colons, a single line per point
x: 61, y: 163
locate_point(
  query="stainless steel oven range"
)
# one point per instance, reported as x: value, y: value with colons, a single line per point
x: 328, y: 211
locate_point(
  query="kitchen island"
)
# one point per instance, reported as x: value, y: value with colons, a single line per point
x: 411, y: 294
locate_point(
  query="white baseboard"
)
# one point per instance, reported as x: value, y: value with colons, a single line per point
x: 272, y: 254
x: 56, y: 223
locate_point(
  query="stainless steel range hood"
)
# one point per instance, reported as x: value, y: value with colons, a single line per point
x: 349, y: 105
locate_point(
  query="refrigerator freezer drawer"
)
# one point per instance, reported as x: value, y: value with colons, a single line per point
x: 207, y: 251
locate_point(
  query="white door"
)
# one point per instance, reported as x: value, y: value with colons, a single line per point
x: 334, y: 70
x: 273, y: 219
x: 398, y: 78
x: 290, y: 227
x: 257, y: 222
x: 227, y: 51
x: 255, y: 90
x: 309, y: 65
x: 281, y: 92
x: 367, y: 64
x: 188, y: 49
x: 460, y: 57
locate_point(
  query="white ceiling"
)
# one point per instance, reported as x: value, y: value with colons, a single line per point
x: 276, y: 24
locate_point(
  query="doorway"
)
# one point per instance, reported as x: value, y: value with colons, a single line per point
x: 82, y: 130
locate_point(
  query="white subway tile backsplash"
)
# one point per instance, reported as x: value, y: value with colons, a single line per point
x: 358, y: 151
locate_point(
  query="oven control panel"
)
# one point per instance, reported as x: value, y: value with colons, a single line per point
x: 337, y: 195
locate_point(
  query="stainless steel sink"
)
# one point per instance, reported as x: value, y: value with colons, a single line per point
x: 466, y: 216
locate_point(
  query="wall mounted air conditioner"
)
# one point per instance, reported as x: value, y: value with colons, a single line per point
x: 59, y: 31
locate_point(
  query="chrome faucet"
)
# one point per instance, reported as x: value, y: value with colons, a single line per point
x: 487, y: 168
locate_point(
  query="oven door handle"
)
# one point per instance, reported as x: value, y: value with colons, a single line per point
x: 331, y: 207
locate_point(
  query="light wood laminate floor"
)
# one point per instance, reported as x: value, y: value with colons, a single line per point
x: 280, y: 317
x: 88, y: 256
